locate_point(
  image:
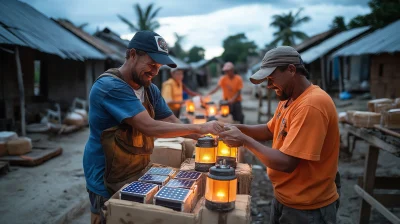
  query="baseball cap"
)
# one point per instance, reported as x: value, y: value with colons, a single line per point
x: 154, y: 45
x: 228, y: 66
x: 279, y: 56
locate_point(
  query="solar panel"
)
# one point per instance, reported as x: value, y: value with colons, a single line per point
x: 188, y: 184
x: 165, y: 171
x: 155, y: 179
x: 188, y: 175
x: 138, y: 188
x: 173, y: 194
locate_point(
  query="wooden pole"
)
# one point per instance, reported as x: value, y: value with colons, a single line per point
x: 21, y: 90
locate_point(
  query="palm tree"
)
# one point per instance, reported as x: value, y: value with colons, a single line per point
x: 285, y: 24
x: 177, y: 49
x: 338, y: 23
x: 146, y: 18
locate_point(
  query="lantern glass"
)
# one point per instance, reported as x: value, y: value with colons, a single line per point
x: 199, y: 121
x: 224, y: 150
x: 190, y: 106
x: 205, y: 155
x: 211, y: 109
x: 224, y: 110
x: 220, y: 191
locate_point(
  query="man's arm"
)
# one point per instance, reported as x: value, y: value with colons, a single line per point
x: 233, y: 99
x: 259, y: 132
x: 271, y: 158
x: 189, y: 91
x: 174, y: 119
x: 160, y: 129
x: 214, y: 90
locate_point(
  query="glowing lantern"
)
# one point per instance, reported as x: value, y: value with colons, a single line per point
x: 190, y: 107
x: 224, y: 108
x: 211, y: 109
x: 205, y: 154
x: 221, y: 187
x: 199, y: 119
x: 229, y: 154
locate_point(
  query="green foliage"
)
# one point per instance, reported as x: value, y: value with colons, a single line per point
x: 237, y: 48
x: 285, y: 24
x: 177, y: 49
x: 146, y: 18
x: 338, y: 23
x: 383, y: 12
x: 196, y: 54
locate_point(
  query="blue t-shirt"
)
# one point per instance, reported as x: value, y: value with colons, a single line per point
x: 111, y: 100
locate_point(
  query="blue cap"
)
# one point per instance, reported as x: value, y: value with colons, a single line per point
x: 154, y: 45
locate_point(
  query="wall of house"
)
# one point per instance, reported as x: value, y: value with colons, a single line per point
x: 315, y: 72
x: 385, y: 75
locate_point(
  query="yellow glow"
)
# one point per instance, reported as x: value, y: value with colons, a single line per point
x: 221, y: 190
x: 190, y: 106
x: 205, y: 155
x: 199, y: 121
x: 224, y: 150
x: 220, y: 194
x: 211, y: 110
x: 224, y: 110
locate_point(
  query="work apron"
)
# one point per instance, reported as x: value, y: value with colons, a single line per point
x: 127, y: 151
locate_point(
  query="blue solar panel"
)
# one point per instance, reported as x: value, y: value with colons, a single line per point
x: 161, y: 171
x: 188, y: 184
x: 173, y: 194
x: 138, y: 188
x: 188, y: 175
x: 157, y: 179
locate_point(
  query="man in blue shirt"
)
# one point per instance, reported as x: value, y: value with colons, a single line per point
x: 128, y: 97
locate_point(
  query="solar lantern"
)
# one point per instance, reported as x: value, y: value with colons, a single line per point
x: 221, y: 186
x: 190, y: 107
x: 205, y: 154
x: 211, y: 109
x: 224, y: 108
x: 229, y: 154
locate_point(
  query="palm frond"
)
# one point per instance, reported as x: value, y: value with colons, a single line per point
x: 132, y: 27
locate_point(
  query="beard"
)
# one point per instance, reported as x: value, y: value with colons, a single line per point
x: 283, y: 96
x: 140, y: 80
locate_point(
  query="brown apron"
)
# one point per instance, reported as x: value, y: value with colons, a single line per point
x: 127, y: 151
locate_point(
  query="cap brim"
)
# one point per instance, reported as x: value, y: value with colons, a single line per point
x: 162, y: 59
x: 261, y: 75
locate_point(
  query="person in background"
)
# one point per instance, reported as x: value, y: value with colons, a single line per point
x: 172, y: 91
x: 302, y: 163
x: 231, y: 85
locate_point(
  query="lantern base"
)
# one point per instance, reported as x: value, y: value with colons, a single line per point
x: 220, y: 207
x: 229, y: 161
x: 224, y: 115
x: 203, y: 167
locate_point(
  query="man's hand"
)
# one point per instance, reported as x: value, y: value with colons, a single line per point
x: 233, y: 137
x: 213, y: 127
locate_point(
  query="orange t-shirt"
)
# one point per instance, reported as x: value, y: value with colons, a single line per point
x: 307, y: 129
x: 231, y: 86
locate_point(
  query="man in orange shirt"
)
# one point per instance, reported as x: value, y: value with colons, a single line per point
x: 231, y: 85
x: 303, y: 161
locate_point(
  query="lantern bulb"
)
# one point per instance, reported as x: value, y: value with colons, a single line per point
x: 220, y: 194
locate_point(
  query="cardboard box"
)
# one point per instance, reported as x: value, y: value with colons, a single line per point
x: 371, y: 103
x: 243, y: 173
x: 169, y: 152
x: 121, y: 211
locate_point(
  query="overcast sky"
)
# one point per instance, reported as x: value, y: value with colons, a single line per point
x: 204, y: 22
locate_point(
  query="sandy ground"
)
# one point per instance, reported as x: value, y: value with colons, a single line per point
x: 45, y: 194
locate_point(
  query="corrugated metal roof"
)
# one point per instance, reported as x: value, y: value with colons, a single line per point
x: 199, y: 64
x: 96, y: 42
x: 308, y: 43
x: 326, y: 46
x: 384, y: 40
x: 179, y: 63
x: 24, y: 26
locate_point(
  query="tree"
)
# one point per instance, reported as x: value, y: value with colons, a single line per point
x: 285, y: 24
x: 237, y: 48
x: 338, y: 23
x: 196, y: 54
x: 177, y: 49
x: 382, y: 14
x: 146, y: 18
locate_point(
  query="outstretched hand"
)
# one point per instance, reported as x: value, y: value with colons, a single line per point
x: 213, y: 127
x: 232, y: 136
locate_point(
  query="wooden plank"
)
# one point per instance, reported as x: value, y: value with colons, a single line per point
x: 33, y: 158
x: 21, y: 91
x: 387, y: 131
x: 378, y: 206
x: 373, y: 140
x: 368, y: 181
x: 383, y: 182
